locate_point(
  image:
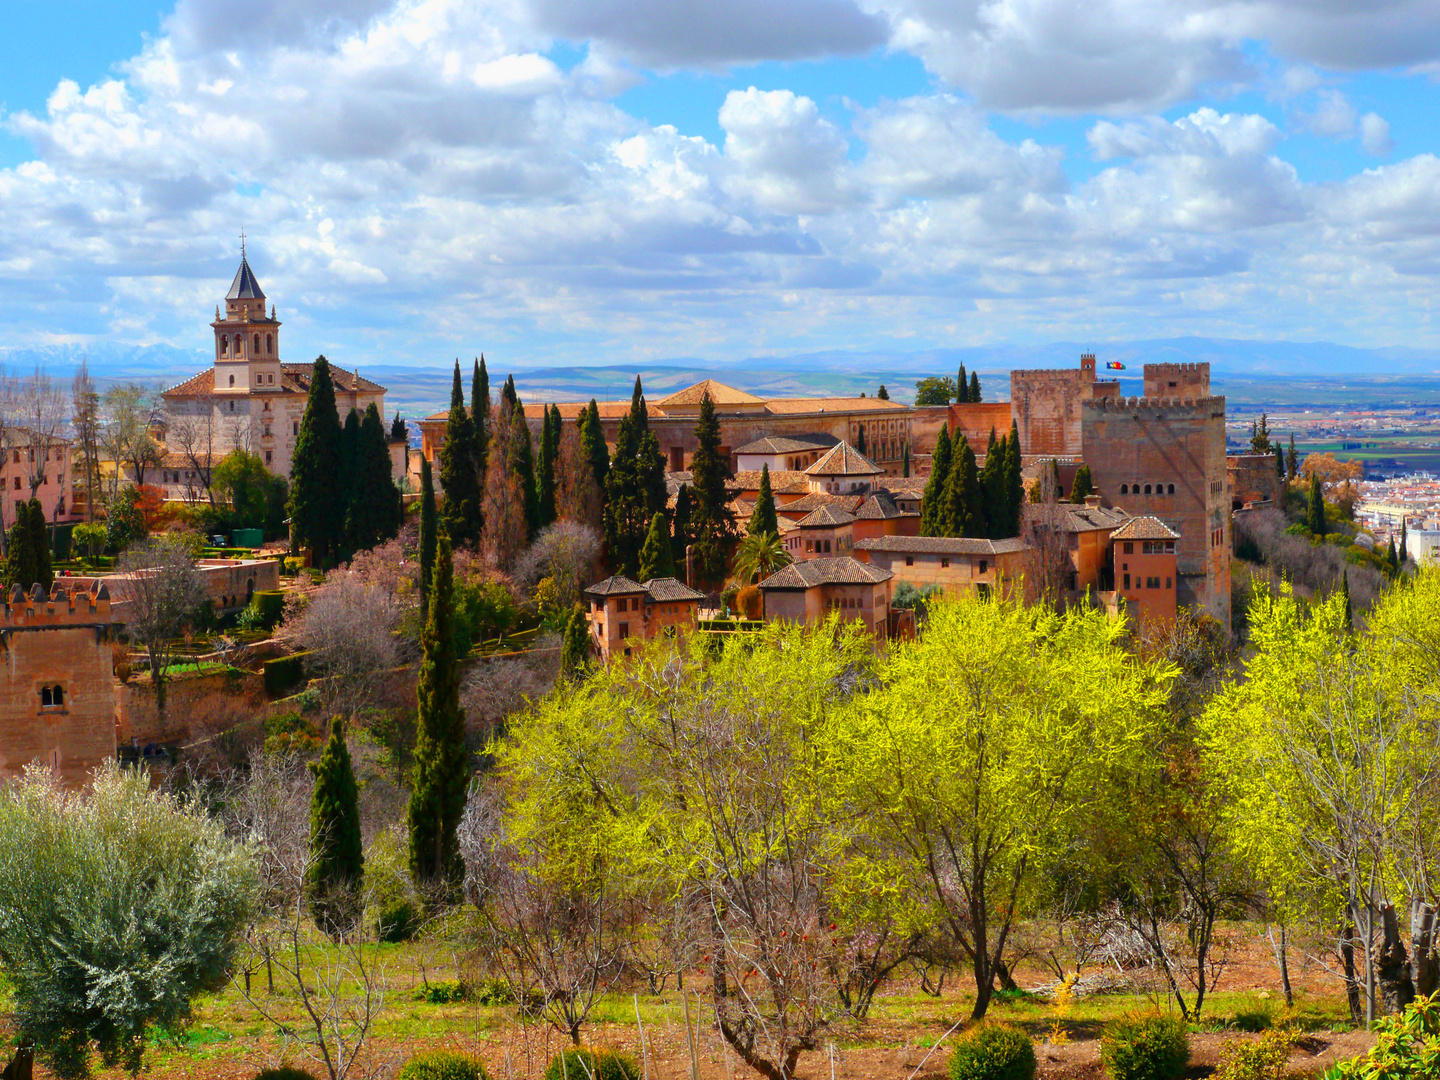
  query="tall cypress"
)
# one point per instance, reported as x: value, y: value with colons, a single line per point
x: 860, y: 439
x: 441, y: 771
x: 457, y: 470
x: 992, y: 488
x: 1404, y: 543
x: 480, y: 430
x: 1392, y: 559
x: 974, y: 396
x: 592, y: 444
x: 656, y: 558
x: 40, y: 545
x: 905, y: 466
x: 1279, y: 462
x: 1014, y: 482
x: 932, y: 514
x: 680, y: 535
x: 1082, y: 486
x: 964, y: 513
x: 1292, y: 460
x: 317, y: 516
x: 337, y: 858
x: 398, y: 431
x: 20, y: 551
x: 522, y: 465
x: 639, y: 412
x: 634, y: 486
x: 1315, y: 516
x: 429, y: 524
x: 545, y: 472
x: 372, y: 505
x: 349, y: 458
x: 1345, y: 591
x: 710, y: 522
x: 575, y: 644
x: 962, y: 387
x: 764, y: 520
x: 508, y: 393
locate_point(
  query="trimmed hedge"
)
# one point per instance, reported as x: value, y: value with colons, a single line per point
x: 271, y: 606
x: 286, y: 1072
x: 284, y: 674
x: 993, y: 1052
x: 443, y: 1065
x: 590, y: 1065
x: 1145, y: 1046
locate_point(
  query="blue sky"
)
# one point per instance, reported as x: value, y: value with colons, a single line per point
x: 584, y: 181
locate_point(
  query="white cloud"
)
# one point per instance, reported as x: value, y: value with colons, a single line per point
x: 1334, y: 117
x: 1375, y: 134
x: 791, y: 159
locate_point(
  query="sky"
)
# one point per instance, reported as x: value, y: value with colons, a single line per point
x: 614, y: 181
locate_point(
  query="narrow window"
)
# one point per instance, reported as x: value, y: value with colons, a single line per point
x: 1127, y: 582
x: 257, y: 344
x: 909, y: 560
x: 232, y: 383
x: 1147, y: 489
x: 944, y: 563
x: 984, y: 566
x: 57, y: 696
x: 1171, y: 490
x: 45, y: 699
x: 1129, y: 548
x: 269, y: 344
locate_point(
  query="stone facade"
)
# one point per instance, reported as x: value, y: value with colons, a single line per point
x: 1046, y: 405
x: 624, y: 612
x: 1253, y: 479
x: 58, y: 705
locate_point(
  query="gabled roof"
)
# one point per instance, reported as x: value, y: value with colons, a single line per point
x: 1145, y: 528
x: 844, y: 460
x: 294, y: 379
x: 831, y: 405
x: 719, y: 393
x: 666, y: 590
x: 825, y: 517
x: 787, y: 444
x: 878, y: 507
x: 940, y: 545
x: 1080, y: 519
x: 780, y: 479
x: 816, y: 499
x: 244, y: 287
x: 838, y: 571
x: 618, y: 585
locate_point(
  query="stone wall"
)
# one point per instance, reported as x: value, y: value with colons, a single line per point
x: 1176, y: 449
x: 1252, y: 479
x: 1046, y: 408
x: 195, y: 707
x: 1177, y: 380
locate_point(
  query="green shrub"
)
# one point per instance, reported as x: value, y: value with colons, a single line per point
x: 443, y: 992
x: 592, y: 1065
x: 993, y: 1052
x: 271, y: 606
x: 1145, y: 1046
x: 286, y: 1072
x: 1407, y: 1046
x: 1265, y: 1058
x: 284, y: 674
x: 443, y: 1065
x: 399, y: 920
x: 291, y: 566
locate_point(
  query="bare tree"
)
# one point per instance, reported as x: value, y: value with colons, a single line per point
x: 348, y: 627
x: 193, y: 432
x: 577, y: 495
x: 129, y: 414
x: 1048, y: 560
x: 42, y: 415
x: 566, y: 553
x: 506, y: 529
x: 161, y: 594
x: 85, y: 425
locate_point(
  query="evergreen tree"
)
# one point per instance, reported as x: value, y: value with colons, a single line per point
x: 40, y: 544
x: 522, y: 465
x: 1392, y: 558
x: 1082, y: 486
x: 656, y: 558
x: 20, y: 566
x: 860, y: 439
x: 964, y: 502
x: 974, y: 395
x: 398, y: 431
x: 480, y: 430
x: 373, y: 508
x: 710, y: 522
x: 994, y: 496
x: 1315, y: 517
x: 337, y: 859
x: 1260, y: 435
x: 634, y: 487
x: 441, y: 770
x: 508, y: 393
x: 932, y: 512
x: 1404, y: 543
x: 349, y: 478
x: 1345, y: 591
x: 429, y: 524
x: 882, y: 393
x: 763, y: 520
x: 680, y: 527
x: 317, y: 516
x: 1292, y: 460
x: 1014, y: 482
x: 1279, y: 461
x: 592, y: 444
x: 575, y: 645
x: 962, y: 387
x: 639, y: 412
x: 905, y: 464
x: 461, y: 516
x: 545, y: 472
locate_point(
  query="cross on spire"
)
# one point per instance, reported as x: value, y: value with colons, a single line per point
x: 242, y: 241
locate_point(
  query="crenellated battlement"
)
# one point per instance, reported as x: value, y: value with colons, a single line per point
x: 61, y: 607
x: 1177, y: 380
x: 1201, y: 407
x: 1201, y: 367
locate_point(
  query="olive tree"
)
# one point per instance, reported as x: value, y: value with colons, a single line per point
x: 117, y: 906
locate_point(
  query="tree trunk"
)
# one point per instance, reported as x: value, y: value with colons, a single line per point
x: 1424, y: 963
x: 1282, y: 962
x: 1352, y: 984
x: 1394, y: 990
x: 21, y: 1065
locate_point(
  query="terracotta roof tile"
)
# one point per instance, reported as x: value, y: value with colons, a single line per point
x: 787, y: 444
x: 294, y: 379
x: 940, y: 545
x: 878, y: 507
x: 817, y: 499
x: 1145, y: 528
x: 832, y: 405
x: 618, y: 585
x: 667, y: 590
x: 719, y: 393
x: 844, y: 460
x: 749, y: 479
x: 837, y: 571
x: 825, y: 517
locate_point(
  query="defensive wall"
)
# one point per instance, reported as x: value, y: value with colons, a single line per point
x: 1046, y: 407
x: 1253, y: 479
x: 1166, y: 457
x: 1177, y: 380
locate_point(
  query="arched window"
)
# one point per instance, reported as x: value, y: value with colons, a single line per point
x: 269, y: 344
x: 1147, y: 489
x: 224, y: 345
x: 1124, y: 489
x: 45, y: 701
x: 1172, y: 490
x: 257, y: 344
x: 1159, y: 489
x: 232, y: 383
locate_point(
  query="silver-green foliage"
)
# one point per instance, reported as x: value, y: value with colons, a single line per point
x: 117, y: 906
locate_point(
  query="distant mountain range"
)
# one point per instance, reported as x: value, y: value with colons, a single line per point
x: 1253, y: 372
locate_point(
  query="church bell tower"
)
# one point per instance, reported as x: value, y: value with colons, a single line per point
x: 247, y: 341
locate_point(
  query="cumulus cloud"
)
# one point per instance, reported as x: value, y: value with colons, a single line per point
x: 790, y: 159
x: 1375, y: 134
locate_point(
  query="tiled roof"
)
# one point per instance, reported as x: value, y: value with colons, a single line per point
x: 832, y: 405
x: 878, y: 507
x: 719, y: 393
x: 749, y: 479
x: 940, y: 545
x: 618, y: 585
x: 1079, y: 518
x: 844, y: 460
x: 294, y: 379
x: 666, y: 590
x: 817, y: 499
x: 838, y: 571
x: 1145, y: 528
x: 825, y: 517
x: 245, y: 287
x: 912, y: 486
x: 787, y: 444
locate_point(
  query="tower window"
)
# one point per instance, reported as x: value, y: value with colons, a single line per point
x: 232, y: 383
x: 1171, y: 491
x: 257, y: 344
x: 1124, y: 489
x: 52, y: 697
x: 1147, y: 489
x: 269, y: 344
x: 224, y: 345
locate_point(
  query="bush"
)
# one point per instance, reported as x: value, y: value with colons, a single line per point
x: 1406, y: 1047
x: 291, y: 566
x: 399, y: 920
x: 284, y: 674
x: 443, y: 1065
x: 993, y: 1052
x: 1266, y: 1058
x: 1145, y: 1047
x: 592, y: 1065
x: 271, y: 606
x: 286, y: 1072
x: 443, y: 992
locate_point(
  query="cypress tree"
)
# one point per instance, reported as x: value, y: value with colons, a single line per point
x: 522, y: 465
x: 882, y: 393
x: 1315, y: 516
x: 480, y: 431
x: 317, y: 516
x: 349, y: 477
x: 508, y: 394
x: 656, y: 558
x: 974, y: 395
x: 1345, y: 591
x: 764, y: 520
x: 860, y: 440
x: 963, y: 505
x: 639, y: 413
x: 337, y: 858
x: 429, y: 525
x: 932, y: 514
x: 710, y: 522
x: 634, y: 486
x: 992, y: 489
x: 1391, y: 557
x: 458, y: 479
x: 40, y: 545
x: 398, y: 431
x: 962, y: 387
x: 575, y: 645
x: 545, y: 473
x: 1404, y: 539
x: 20, y: 551
x: 442, y: 767
x: 905, y: 463
x: 680, y: 533
x: 1279, y: 461
x: 592, y: 444
x: 1014, y: 482
x: 373, y: 506
x: 1083, y: 485
x: 1292, y: 460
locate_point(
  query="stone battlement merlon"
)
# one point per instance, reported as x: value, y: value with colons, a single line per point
x: 61, y: 607
x: 1203, y: 408
x: 1200, y: 367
